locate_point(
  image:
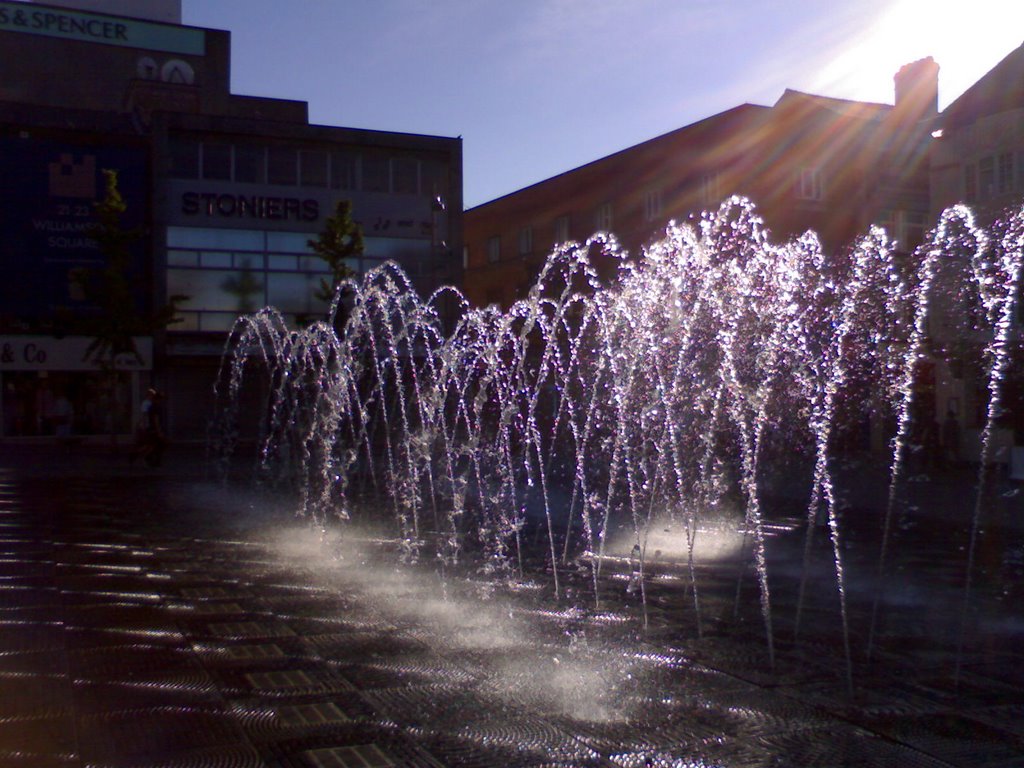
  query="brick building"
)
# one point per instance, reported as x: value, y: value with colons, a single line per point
x: 808, y: 162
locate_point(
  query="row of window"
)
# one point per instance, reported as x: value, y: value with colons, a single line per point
x: 993, y: 175
x: 525, y: 236
x: 347, y: 169
x: 907, y: 228
x: 225, y: 273
x: 809, y: 186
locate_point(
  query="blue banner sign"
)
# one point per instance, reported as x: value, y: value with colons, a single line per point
x: 96, y: 28
x: 47, y: 193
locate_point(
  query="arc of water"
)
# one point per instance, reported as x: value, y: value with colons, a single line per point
x: 1001, y: 304
x: 929, y: 255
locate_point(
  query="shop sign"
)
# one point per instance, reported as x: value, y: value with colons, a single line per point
x: 228, y: 205
x: 46, y: 353
x: 95, y: 28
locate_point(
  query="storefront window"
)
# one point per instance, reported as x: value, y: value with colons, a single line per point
x: 66, y: 403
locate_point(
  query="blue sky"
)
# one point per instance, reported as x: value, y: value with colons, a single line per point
x: 538, y: 87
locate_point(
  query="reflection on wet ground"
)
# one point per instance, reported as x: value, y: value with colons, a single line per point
x: 153, y: 620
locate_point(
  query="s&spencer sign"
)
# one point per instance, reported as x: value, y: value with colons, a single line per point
x: 96, y: 28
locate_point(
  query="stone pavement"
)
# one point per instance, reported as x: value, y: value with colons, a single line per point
x: 157, y: 618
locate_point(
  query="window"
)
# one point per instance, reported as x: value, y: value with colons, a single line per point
x: 493, y: 249
x: 313, y: 168
x: 809, y: 186
x: 216, y: 160
x: 652, y: 204
x: 905, y: 227
x: 970, y: 183
x: 986, y: 177
x: 433, y: 178
x: 603, y: 217
x: 376, y: 173
x: 282, y: 166
x: 228, y: 272
x: 562, y: 229
x: 1005, y: 172
x: 184, y: 158
x: 913, y: 229
x: 710, y: 192
x: 250, y: 164
x: 343, y: 170
x: 405, y: 173
x: 526, y: 241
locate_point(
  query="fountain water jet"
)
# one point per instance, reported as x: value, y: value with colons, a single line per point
x: 677, y: 387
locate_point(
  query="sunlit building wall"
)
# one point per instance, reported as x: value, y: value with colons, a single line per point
x: 807, y: 162
x: 978, y: 158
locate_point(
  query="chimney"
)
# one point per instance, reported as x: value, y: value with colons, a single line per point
x: 917, y: 89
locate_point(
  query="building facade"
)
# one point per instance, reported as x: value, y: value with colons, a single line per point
x: 977, y: 158
x: 225, y: 191
x: 807, y: 162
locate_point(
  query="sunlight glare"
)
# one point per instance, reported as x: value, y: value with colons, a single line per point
x: 965, y: 39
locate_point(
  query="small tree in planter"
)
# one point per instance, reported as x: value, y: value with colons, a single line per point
x: 341, y: 240
x: 109, y: 288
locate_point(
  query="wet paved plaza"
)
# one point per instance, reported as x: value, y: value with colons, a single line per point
x: 154, y: 618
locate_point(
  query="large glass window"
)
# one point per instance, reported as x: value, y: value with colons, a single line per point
x: 294, y: 242
x: 222, y: 239
x: 95, y: 403
x: 226, y: 273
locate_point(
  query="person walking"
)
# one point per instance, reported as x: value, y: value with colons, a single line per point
x: 150, y: 441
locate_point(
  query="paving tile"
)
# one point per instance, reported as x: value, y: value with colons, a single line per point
x: 140, y: 640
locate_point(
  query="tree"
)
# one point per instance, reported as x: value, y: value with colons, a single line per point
x: 341, y: 240
x: 116, y: 320
x: 244, y: 287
